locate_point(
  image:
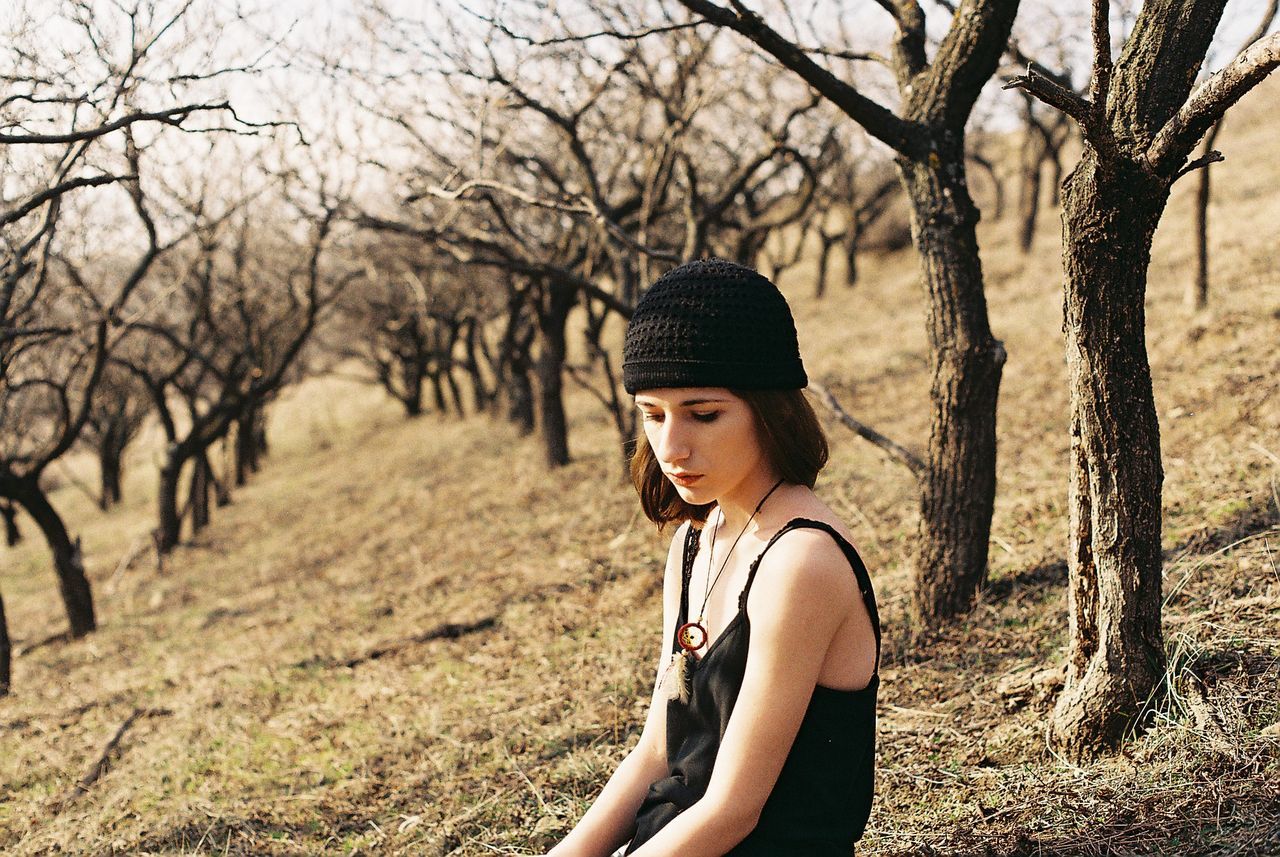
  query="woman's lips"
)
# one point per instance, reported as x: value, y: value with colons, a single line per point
x: 686, y: 479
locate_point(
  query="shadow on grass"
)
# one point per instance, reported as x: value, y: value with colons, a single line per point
x: 1234, y: 814
x: 1027, y: 581
x: 1033, y: 581
x: 1248, y: 521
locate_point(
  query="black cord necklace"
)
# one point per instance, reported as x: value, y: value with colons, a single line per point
x: 692, y: 636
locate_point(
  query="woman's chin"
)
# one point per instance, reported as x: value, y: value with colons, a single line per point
x: 694, y: 495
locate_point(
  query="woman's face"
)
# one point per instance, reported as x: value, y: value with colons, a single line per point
x: 705, y: 440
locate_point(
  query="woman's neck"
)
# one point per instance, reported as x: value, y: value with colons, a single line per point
x: 737, y: 505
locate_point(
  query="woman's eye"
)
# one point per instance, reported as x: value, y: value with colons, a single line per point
x: 652, y: 418
x: 706, y: 418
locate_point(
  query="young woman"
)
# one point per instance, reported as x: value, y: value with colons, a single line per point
x: 760, y: 741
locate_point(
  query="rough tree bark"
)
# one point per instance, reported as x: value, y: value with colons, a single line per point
x: 1140, y: 124
x: 958, y: 491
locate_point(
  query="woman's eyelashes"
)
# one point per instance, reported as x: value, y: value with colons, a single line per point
x: 655, y: 417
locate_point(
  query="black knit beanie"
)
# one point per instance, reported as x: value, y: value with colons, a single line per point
x: 712, y: 323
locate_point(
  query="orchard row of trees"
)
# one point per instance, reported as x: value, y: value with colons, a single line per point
x: 137, y: 276
x: 494, y: 171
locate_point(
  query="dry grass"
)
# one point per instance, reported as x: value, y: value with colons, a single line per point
x: 366, y: 532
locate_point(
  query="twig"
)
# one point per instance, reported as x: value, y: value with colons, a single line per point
x: 126, y: 562
x: 447, y: 631
x: 104, y: 760
x: 896, y: 451
x: 1210, y: 157
x: 59, y: 637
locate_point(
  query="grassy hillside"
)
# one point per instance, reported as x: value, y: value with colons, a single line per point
x: 410, y: 638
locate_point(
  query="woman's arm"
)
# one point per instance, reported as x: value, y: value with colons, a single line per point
x: 800, y: 597
x: 610, y: 821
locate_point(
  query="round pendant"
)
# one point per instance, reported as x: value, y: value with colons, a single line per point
x: 691, y: 636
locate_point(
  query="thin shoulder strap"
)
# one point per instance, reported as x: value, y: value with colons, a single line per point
x: 851, y: 554
x: 686, y: 573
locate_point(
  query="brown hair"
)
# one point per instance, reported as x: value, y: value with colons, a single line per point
x: 789, y: 433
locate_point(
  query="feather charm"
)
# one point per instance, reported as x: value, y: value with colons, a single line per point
x: 678, y: 686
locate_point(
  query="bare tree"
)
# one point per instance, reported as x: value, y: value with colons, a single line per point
x: 119, y: 408
x: 927, y: 134
x: 74, y: 119
x: 1140, y: 123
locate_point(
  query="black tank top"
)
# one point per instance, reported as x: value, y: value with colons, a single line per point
x: 820, y: 803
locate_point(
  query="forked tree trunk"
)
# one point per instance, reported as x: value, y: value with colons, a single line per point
x: 1116, y: 657
x: 958, y: 490
x: 6, y: 651
x: 77, y: 598
x: 937, y: 96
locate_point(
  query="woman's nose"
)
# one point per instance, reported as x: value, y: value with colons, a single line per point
x: 673, y: 443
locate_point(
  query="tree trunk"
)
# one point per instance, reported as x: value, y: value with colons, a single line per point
x: 824, y: 263
x: 851, y: 259
x: 201, y: 476
x: 550, y: 370
x: 520, y: 390
x: 77, y: 599
x: 455, y: 394
x: 246, y: 446
x: 251, y: 439
x: 170, y: 527
x: 6, y: 651
x: 478, y: 390
x: 110, y: 452
x: 1029, y: 199
x: 1198, y: 293
x: 1116, y: 658
x: 411, y: 371
x: 12, y: 536
x: 437, y: 392
x: 958, y: 490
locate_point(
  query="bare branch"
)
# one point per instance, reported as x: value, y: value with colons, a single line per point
x: 1210, y: 157
x: 172, y: 116
x: 48, y: 194
x: 896, y: 451
x: 1093, y: 125
x: 1101, y: 84
x: 1209, y: 101
x: 881, y: 123
x: 571, y: 38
